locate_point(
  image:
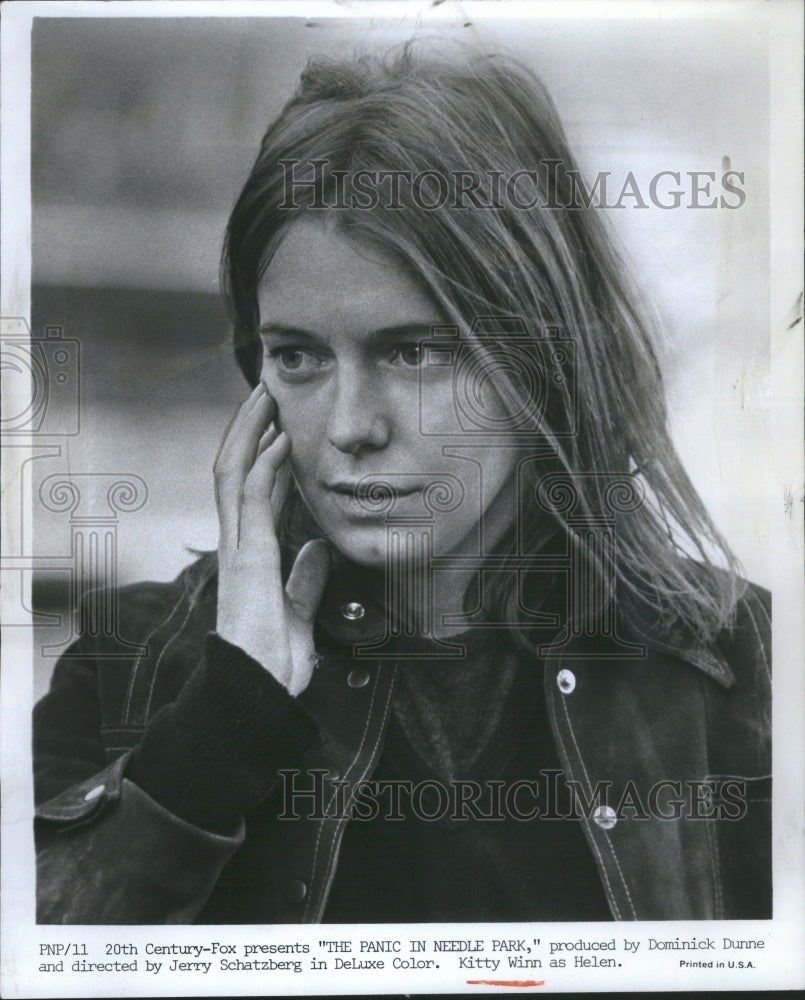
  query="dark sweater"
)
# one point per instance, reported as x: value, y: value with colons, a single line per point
x: 480, y: 719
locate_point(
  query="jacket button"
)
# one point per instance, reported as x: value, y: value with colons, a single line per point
x: 353, y: 611
x: 295, y: 891
x: 566, y: 681
x: 605, y: 817
x: 358, y: 677
x: 93, y: 793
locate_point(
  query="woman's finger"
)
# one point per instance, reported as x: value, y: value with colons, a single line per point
x: 239, y: 444
x: 268, y: 437
x: 241, y: 414
x: 256, y: 511
x: 279, y: 494
x: 236, y: 457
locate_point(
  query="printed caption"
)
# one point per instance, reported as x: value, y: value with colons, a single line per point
x: 494, y: 961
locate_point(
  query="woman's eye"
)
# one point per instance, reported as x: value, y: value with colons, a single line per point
x: 295, y: 360
x: 291, y: 358
x: 409, y: 355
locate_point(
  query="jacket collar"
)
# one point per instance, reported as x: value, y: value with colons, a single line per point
x: 676, y: 640
x: 352, y: 611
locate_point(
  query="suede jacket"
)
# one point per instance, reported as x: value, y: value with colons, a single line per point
x: 679, y: 736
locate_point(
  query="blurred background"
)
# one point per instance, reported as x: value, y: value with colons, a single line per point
x: 143, y: 131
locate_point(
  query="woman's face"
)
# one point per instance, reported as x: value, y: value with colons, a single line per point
x: 341, y: 324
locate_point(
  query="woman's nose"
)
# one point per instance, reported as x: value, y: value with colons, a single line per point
x: 358, y: 418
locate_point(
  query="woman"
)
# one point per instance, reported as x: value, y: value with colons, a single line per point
x: 471, y: 647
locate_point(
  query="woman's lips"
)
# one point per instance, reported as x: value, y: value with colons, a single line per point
x: 363, y: 489
x: 372, y: 498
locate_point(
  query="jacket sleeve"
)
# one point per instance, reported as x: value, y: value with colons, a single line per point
x: 143, y: 840
x: 741, y: 759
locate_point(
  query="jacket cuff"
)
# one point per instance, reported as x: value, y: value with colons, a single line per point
x: 133, y: 863
x: 214, y: 753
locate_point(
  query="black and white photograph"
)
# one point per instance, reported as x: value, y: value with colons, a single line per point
x: 402, y: 498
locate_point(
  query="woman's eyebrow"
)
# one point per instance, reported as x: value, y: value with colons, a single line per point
x: 421, y: 331
x: 280, y: 330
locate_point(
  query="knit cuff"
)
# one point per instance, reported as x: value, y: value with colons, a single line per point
x: 214, y: 753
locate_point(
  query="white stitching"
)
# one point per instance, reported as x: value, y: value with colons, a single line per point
x: 175, y: 636
x: 349, y: 768
x: 136, y: 667
x: 591, y: 838
x: 380, y: 733
x: 604, y: 832
x: 715, y: 861
x: 355, y: 759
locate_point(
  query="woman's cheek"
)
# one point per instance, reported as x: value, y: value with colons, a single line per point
x: 302, y: 425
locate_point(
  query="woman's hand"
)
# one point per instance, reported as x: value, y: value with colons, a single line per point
x: 274, y: 625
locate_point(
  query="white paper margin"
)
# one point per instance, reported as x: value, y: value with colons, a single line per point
x: 781, y: 964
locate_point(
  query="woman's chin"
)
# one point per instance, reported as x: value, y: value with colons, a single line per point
x: 363, y: 547
x: 379, y: 548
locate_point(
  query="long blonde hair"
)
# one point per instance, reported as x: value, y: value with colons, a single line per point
x: 550, y: 267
